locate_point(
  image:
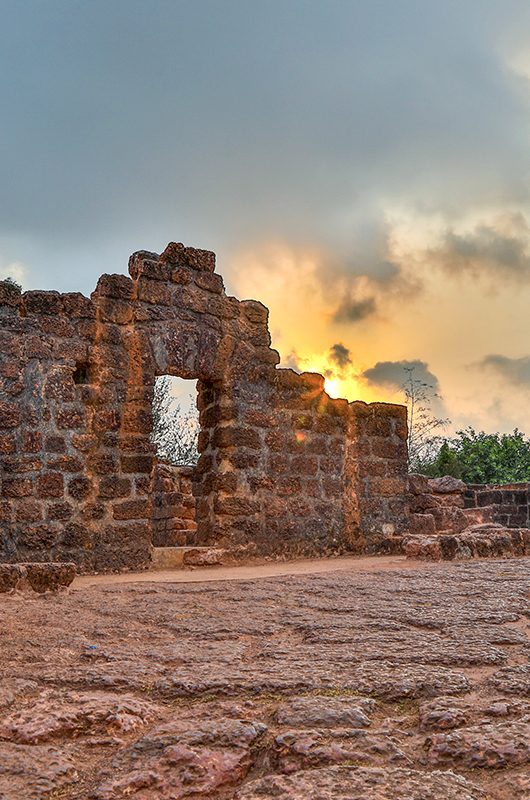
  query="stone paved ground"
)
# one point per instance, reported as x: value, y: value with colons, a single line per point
x: 397, y: 685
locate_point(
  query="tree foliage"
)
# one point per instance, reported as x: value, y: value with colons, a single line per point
x: 175, y: 432
x: 482, y: 457
x: 13, y: 282
x: 473, y: 457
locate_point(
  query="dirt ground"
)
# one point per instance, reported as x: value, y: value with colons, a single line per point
x: 379, y: 681
x: 250, y: 571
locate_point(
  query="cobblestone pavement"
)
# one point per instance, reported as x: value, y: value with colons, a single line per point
x: 411, y: 684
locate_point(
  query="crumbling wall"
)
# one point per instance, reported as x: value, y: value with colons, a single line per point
x: 283, y: 468
x: 507, y: 504
x: 450, y: 505
x: 378, y: 465
x: 451, y: 520
x: 173, y: 505
x: 437, y: 505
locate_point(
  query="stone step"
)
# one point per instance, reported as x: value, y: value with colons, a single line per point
x: 182, y: 557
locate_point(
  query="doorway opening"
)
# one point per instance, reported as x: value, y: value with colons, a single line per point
x: 176, y: 421
x: 175, y: 437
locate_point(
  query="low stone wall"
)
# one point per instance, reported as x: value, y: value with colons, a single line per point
x: 455, y: 505
x: 437, y: 505
x: 508, y: 505
x: 478, y: 541
x: 173, y: 505
x: 452, y: 520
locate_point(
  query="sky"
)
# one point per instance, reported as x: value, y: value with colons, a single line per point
x: 360, y: 166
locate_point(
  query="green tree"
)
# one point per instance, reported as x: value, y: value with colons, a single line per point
x: 483, y: 457
x: 445, y: 462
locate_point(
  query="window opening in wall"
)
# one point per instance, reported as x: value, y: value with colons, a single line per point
x: 176, y: 420
x: 80, y: 375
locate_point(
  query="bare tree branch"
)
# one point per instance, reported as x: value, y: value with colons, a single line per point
x: 175, y: 433
x: 422, y: 443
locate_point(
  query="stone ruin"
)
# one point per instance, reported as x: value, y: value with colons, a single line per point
x: 449, y: 519
x: 283, y: 468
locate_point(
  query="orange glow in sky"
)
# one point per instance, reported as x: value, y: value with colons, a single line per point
x: 449, y: 321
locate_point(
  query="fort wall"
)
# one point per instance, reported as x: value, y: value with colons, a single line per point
x: 283, y: 468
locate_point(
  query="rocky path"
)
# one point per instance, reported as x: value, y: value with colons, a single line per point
x: 252, y: 571
x: 394, y: 684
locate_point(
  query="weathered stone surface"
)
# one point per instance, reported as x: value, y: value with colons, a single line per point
x: 35, y: 773
x: 493, y: 746
x: 349, y: 684
x: 382, y: 680
x: 449, y: 519
x: 422, y: 525
x: 443, y: 713
x: 179, y: 772
x: 308, y: 749
x: 173, y: 505
x: 479, y: 541
x: 418, y: 546
x: 418, y: 484
x: 197, y: 557
x: 10, y: 576
x: 445, y: 485
x: 189, y: 757
x: 472, y: 521
x: 49, y: 577
x: 353, y: 783
x: 512, y: 680
x: 325, y: 712
x: 39, y: 577
x: 76, y: 714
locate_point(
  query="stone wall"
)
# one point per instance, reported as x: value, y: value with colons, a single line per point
x: 448, y: 504
x: 452, y: 520
x: 376, y: 473
x: 283, y: 468
x: 173, y: 505
x: 507, y: 505
x: 437, y: 505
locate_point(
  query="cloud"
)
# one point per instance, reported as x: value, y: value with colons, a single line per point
x: 395, y: 377
x: 340, y: 355
x: 351, y: 310
x: 513, y: 370
x: 321, y: 126
x: 317, y: 140
x: 394, y: 374
x: 499, y: 249
x: 14, y: 270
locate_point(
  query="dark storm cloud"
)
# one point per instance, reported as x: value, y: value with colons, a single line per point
x: 513, y: 370
x: 394, y: 374
x: 127, y: 123
x: 340, y: 355
x: 351, y: 310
